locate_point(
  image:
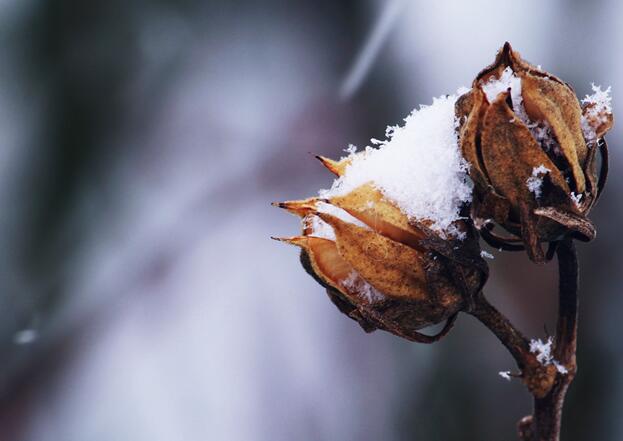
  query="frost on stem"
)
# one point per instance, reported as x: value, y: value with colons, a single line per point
x: 543, y: 352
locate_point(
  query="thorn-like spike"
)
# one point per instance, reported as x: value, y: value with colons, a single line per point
x: 299, y: 208
x: 336, y: 167
x: 300, y: 241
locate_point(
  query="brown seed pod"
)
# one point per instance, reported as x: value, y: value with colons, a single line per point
x: 381, y: 269
x: 533, y: 154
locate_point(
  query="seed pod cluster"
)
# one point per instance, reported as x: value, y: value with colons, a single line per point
x: 538, y: 163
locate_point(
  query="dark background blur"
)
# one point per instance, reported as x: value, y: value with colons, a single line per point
x: 140, y: 295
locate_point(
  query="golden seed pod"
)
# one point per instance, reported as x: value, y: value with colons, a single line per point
x: 533, y: 165
x: 382, y: 270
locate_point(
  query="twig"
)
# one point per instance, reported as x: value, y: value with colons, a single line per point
x: 503, y: 329
x: 548, y: 410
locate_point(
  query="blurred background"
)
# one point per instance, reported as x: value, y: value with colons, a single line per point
x: 141, y: 143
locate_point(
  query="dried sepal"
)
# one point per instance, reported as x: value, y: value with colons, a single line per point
x: 556, y: 104
x: 470, y: 109
x: 325, y: 260
x: 368, y: 205
x: 391, y: 267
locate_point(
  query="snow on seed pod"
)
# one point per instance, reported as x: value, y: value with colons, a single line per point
x: 389, y: 240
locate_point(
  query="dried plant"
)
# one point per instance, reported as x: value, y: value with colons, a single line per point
x: 395, y: 241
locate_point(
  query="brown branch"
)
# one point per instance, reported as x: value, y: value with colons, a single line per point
x: 503, y: 329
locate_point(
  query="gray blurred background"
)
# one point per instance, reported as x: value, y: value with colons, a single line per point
x: 140, y: 295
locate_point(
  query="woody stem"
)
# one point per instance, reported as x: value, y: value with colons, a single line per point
x: 545, y: 423
x: 502, y: 328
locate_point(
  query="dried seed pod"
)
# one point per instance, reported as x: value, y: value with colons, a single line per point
x: 381, y: 269
x: 532, y: 150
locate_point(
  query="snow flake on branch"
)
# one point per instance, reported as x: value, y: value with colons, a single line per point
x: 543, y: 351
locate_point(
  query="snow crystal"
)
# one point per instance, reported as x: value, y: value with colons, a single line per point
x: 588, y: 130
x: 560, y: 368
x: 542, y: 132
x: 543, y: 350
x: 576, y: 198
x: 418, y: 167
x: 599, y: 106
x: 354, y: 282
x: 505, y: 374
x: 535, y: 181
x: 351, y: 149
x: 600, y: 99
x: 486, y: 254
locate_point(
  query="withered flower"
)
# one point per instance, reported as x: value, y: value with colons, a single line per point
x: 381, y: 269
x: 533, y: 154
